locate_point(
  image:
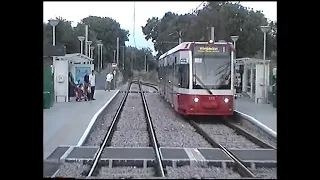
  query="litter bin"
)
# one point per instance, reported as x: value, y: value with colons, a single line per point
x: 46, y: 100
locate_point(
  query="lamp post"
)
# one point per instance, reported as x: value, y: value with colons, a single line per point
x: 98, y: 44
x: 81, y: 39
x: 114, y: 56
x: 101, y: 61
x: 265, y: 29
x: 145, y: 63
x: 118, y: 46
x: 89, y: 45
x: 53, y: 23
x: 86, y: 42
x: 99, y: 56
x: 91, y: 51
x: 123, y: 56
x: 234, y: 39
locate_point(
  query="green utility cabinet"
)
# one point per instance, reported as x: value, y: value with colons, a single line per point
x: 46, y: 100
x: 48, y: 88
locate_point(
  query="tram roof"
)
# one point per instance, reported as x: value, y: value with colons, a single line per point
x: 185, y: 46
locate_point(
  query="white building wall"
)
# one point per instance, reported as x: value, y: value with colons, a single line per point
x: 61, y: 88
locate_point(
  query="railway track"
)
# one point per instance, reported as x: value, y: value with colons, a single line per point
x: 166, y: 136
x: 230, y: 140
x: 108, y: 138
x: 233, y: 141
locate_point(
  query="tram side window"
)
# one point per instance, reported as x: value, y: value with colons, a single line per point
x: 184, y: 75
x: 170, y: 73
x: 164, y: 72
x: 177, y: 76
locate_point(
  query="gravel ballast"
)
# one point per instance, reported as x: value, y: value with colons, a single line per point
x: 256, y: 132
x: 132, y: 127
x: 265, y: 173
x: 101, y: 126
x: 134, y: 87
x: 188, y: 172
x: 171, y: 130
x: 73, y: 170
x: 126, y: 172
x: 227, y: 137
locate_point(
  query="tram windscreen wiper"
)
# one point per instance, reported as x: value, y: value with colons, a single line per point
x: 202, y: 84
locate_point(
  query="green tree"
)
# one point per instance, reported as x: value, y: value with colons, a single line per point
x: 228, y: 18
x: 105, y: 29
x: 64, y: 35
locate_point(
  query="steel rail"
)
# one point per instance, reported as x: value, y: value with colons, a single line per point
x: 248, y: 136
x: 243, y: 170
x: 108, y: 136
x: 152, y: 135
x: 150, y: 85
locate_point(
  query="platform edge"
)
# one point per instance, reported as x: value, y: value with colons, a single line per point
x: 94, y: 118
x: 257, y: 123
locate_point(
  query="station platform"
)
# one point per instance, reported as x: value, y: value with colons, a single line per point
x: 65, y: 123
x: 264, y: 113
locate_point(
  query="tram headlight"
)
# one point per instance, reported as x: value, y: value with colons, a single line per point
x: 196, y: 100
x: 226, y: 100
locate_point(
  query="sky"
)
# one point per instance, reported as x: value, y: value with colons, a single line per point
x: 123, y: 12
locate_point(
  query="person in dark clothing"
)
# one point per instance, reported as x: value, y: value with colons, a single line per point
x: 86, y: 84
x: 71, y: 86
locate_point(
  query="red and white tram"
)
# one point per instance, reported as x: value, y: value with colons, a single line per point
x: 196, y: 78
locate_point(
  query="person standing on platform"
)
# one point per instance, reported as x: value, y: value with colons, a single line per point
x: 108, y: 81
x: 71, y: 86
x: 86, y: 85
x: 92, y: 81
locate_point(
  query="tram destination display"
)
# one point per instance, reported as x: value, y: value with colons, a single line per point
x: 200, y: 50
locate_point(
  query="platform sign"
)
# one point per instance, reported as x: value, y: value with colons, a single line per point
x: 114, y: 65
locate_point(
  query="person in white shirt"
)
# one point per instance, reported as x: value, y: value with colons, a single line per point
x: 92, y: 81
x: 108, y: 81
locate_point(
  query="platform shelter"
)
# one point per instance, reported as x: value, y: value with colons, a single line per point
x: 253, y: 82
x: 78, y: 64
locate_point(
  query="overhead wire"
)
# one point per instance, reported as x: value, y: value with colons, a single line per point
x: 195, y: 10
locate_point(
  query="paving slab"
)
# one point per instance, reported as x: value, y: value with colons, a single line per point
x: 255, y: 155
x: 65, y: 123
x: 264, y: 113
